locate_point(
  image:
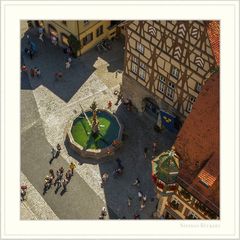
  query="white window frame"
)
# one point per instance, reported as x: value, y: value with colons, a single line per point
x: 198, y: 87
x: 140, y: 47
x: 142, y: 74
x: 175, y: 72
x: 135, y: 60
x: 142, y: 65
x: 99, y: 31
x: 134, y: 68
x: 162, y: 84
x: 170, y: 90
x: 190, y: 103
x: 194, y: 214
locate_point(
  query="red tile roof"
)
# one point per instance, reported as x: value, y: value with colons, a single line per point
x: 197, y: 145
x: 213, y: 30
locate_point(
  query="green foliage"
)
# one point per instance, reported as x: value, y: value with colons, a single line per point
x: 74, y: 44
x: 214, y: 69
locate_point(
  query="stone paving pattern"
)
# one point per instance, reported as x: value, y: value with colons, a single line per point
x: 47, y: 106
x: 34, y: 207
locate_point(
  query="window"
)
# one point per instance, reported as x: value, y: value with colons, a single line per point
x: 191, y: 215
x: 175, y: 204
x: 134, y: 68
x: 64, y: 39
x: 64, y: 23
x: 198, y: 87
x: 142, y: 65
x: 140, y: 47
x: 142, y: 73
x: 99, y: 31
x: 134, y: 59
x: 52, y: 31
x: 85, y: 22
x: 191, y: 100
x: 170, y: 90
x: 175, y: 72
x: 88, y: 39
x: 162, y: 82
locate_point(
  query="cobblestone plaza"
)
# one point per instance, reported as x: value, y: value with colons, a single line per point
x: 46, y: 107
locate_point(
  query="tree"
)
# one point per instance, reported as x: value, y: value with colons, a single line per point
x: 74, y: 44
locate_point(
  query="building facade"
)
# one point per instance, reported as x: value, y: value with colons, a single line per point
x: 166, y: 65
x: 197, y: 148
x: 88, y: 33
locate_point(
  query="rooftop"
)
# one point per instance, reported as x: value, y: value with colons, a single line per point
x: 197, y: 145
x: 213, y: 30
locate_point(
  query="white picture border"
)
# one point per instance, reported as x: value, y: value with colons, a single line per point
x: 14, y: 11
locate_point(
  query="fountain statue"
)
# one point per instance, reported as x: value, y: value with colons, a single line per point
x: 95, y: 133
x: 95, y: 122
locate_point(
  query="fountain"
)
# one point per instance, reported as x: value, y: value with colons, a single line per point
x: 95, y: 133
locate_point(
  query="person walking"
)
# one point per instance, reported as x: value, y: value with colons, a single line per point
x: 32, y: 72
x: 103, y: 212
x: 38, y: 72
x: 140, y: 195
x: 51, y: 173
x: 64, y: 184
x: 104, y: 178
x: 53, y: 151
x: 129, y: 201
x: 41, y: 37
x: 23, y: 192
x: 110, y: 105
x: 58, y: 182
x: 58, y: 76
x: 47, y: 184
x: 24, y: 68
x: 69, y: 60
x: 145, y: 152
x: 68, y: 175
x: 119, y: 97
x: 58, y: 177
x: 154, y: 148
x: 136, y: 182
x: 143, y: 201
x: 119, y: 162
x: 72, y: 166
x: 58, y: 150
x: 31, y: 54
x: 68, y: 64
x: 61, y: 170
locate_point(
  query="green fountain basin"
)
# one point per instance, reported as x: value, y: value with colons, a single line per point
x: 104, y: 144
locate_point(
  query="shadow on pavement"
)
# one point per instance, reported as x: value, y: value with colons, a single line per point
x: 117, y: 190
x: 51, y: 59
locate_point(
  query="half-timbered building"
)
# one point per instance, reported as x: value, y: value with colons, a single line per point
x: 166, y: 65
x: 197, y: 149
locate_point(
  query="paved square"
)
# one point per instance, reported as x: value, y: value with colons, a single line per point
x: 47, y: 106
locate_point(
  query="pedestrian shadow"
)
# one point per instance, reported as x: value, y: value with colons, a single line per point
x: 63, y: 192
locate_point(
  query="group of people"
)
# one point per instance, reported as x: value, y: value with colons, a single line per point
x: 154, y: 150
x: 58, y: 179
x: 141, y: 197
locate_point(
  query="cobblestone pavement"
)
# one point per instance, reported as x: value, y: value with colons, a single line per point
x: 34, y: 206
x: 93, y: 77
